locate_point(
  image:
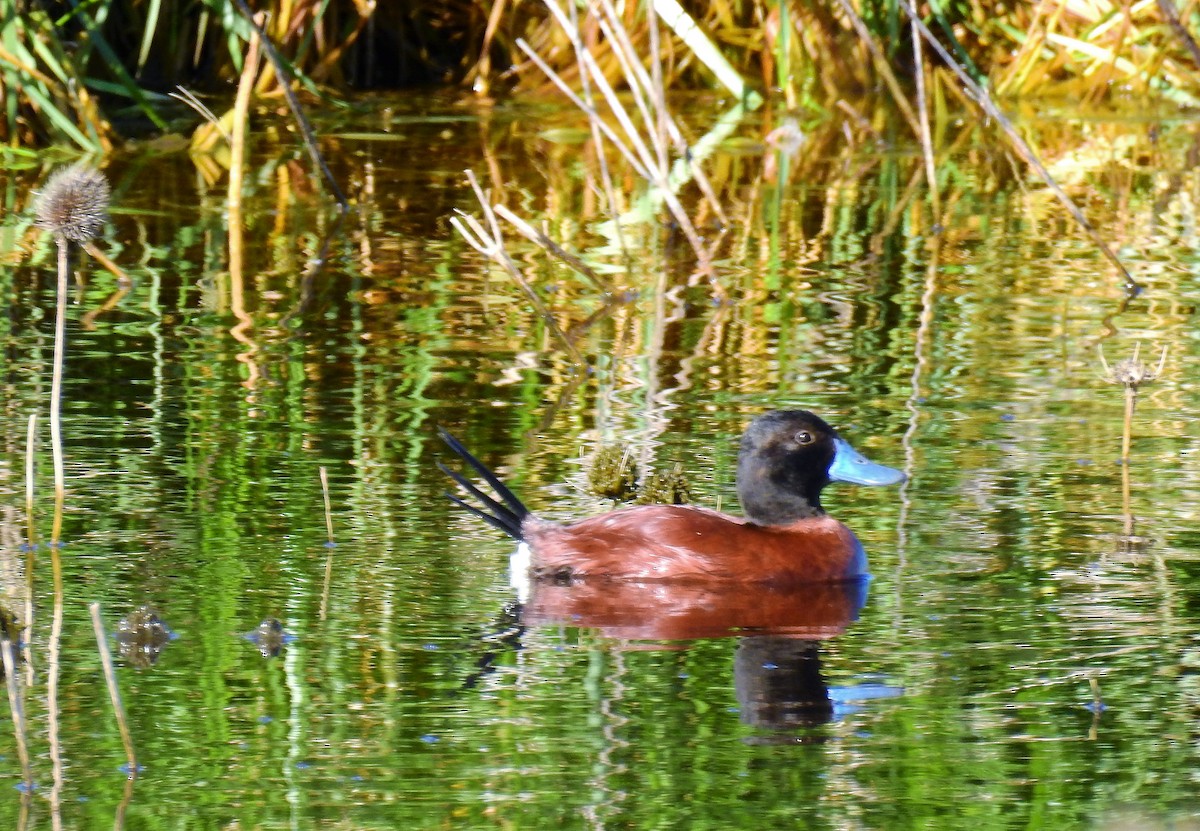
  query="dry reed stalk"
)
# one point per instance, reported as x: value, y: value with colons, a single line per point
x: 30, y: 446
x: 18, y: 712
x: 983, y: 100
x: 241, y: 110
x: 666, y: 132
x: 285, y: 86
x: 588, y: 109
x: 123, y: 279
x: 704, y: 49
x: 540, y: 238
x: 923, y: 123
x: 490, y: 243
x: 204, y: 137
x: 638, y: 150
x: 610, y: 192
x: 479, y: 76
x: 56, y: 378
x: 237, y: 155
x: 881, y: 65
x: 328, y: 508
x: 32, y: 536
x: 114, y: 692
x: 1014, y: 77
x: 330, y: 544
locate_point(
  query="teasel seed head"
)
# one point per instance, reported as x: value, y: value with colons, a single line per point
x: 74, y: 203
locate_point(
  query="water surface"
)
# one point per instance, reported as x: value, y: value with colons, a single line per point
x: 1026, y: 654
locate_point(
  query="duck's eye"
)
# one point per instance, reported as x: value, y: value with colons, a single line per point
x: 804, y: 437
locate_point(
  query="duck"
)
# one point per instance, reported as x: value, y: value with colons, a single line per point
x: 783, y: 538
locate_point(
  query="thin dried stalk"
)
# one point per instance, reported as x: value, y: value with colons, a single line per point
x: 330, y: 544
x: 285, y: 86
x: 882, y: 66
x: 666, y: 127
x: 490, y: 243
x: 114, y: 692
x: 923, y: 111
x: 638, y: 151
x: 984, y: 100
x: 18, y: 712
x: 534, y: 235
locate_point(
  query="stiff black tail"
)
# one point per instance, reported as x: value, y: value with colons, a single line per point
x: 506, y: 515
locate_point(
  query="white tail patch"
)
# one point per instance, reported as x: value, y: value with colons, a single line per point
x: 518, y: 577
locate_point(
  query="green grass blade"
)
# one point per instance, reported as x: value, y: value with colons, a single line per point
x: 152, y: 13
x: 60, y: 119
x: 113, y: 62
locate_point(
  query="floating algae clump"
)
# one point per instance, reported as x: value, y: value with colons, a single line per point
x: 665, y: 487
x: 613, y: 473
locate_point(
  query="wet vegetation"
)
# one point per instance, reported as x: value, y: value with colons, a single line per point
x: 88, y: 75
x: 868, y: 242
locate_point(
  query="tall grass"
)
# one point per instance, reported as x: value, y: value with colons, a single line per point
x: 84, y: 74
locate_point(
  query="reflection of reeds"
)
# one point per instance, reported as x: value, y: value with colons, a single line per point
x: 489, y: 241
x: 18, y: 711
x: 114, y: 691
x: 329, y: 543
x: 983, y: 98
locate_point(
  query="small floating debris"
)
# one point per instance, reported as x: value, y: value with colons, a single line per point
x: 270, y: 637
x: 141, y: 637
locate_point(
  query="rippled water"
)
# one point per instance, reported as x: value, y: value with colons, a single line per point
x: 1025, y: 656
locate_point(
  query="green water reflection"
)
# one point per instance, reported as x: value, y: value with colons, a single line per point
x: 1047, y: 659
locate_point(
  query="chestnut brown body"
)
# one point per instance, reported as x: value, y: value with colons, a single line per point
x: 682, y: 542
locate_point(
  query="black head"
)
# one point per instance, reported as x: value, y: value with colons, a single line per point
x: 787, y: 457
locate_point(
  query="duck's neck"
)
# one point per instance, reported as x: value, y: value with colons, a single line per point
x: 766, y: 500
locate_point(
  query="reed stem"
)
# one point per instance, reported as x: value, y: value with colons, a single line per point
x: 31, y: 531
x: 285, y: 86
x: 60, y: 351
x: 114, y: 692
x: 328, y: 508
x: 30, y: 448
x: 923, y: 123
x: 983, y: 99
x: 330, y: 544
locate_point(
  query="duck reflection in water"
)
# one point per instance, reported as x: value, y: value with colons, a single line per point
x: 777, y: 668
x: 782, y: 578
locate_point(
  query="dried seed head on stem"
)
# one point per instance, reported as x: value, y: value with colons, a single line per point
x: 1131, y: 372
x: 74, y: 203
